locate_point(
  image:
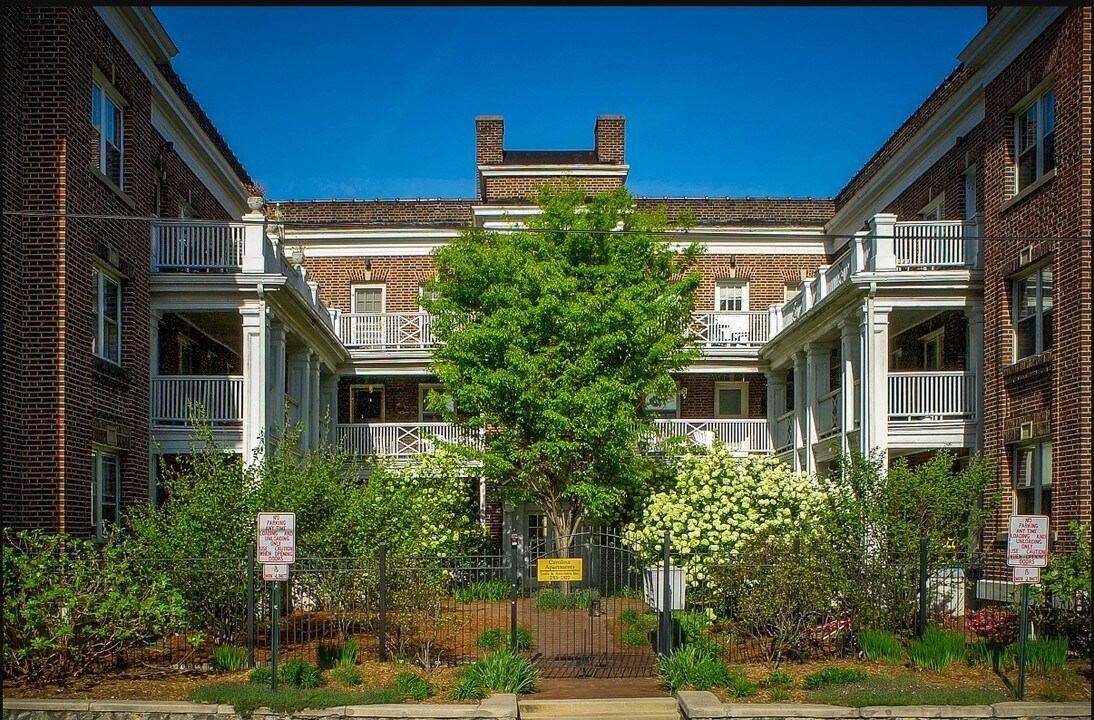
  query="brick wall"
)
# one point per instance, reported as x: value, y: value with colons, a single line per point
x: 767, y: 276
x: 945, y: 176
x: 401, y: 277
x: 610, y: 138
x: 954, y: 342
x: 524, y: 188
x: 697, y: 392
x: 1053, y: 390
x: 67, y: 399
x: 400, y: 395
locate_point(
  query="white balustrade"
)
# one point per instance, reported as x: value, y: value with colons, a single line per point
x: 401, y: 440
x: 221, y: 397
x: 784, y: 431
x: 839, y: 272
x: 713, y: 329
x: 386, y: 331
x: 828, y: 414
x: 197, y: 246
x: 932, y: 395
x: 746, y: 434
x: 793, y: 309
x: 930, y: 244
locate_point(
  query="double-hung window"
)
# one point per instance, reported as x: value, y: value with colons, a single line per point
x: 368, y: 299
x: 108, y: 148
x: 1033, y: 479
x: 731, y: 295
x: 106, y: 316
x: 106, y: 483
x: 1034, y: 139
x: 668, y: 410
x: 1033, y: 312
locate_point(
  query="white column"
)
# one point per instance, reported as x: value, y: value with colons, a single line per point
x: 974, y: 363
x: 849, y: 340
x: 315, y: 415
x: 882, y: 233
x: 776, y: 403
x: 300, y: 391
x: 816, y: 387
x: 801, y: 412
x: 256, y: 339
x: 275, y: 380
x: 329, y: 390
x: 875, y: 380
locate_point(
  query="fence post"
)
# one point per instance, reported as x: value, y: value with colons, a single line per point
x: 250, y: 605
x: 666, y: 599
x: 383, y: 602
x: 922, y: 587
x: 513, y: 579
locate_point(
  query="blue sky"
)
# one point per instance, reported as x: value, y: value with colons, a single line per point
x: 380, y: 102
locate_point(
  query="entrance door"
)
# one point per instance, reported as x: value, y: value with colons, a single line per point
x: 366, y: 403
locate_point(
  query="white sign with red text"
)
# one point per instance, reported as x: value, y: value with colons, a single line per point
x: 275, y: 572
x: 1027, y: 541
x: 277, y: 538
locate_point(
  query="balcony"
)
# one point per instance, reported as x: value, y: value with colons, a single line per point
x: 747, y: 435
x: 220, y: 396
x: 717, y: 332
x: 942, y: 395
x: 382, y: 332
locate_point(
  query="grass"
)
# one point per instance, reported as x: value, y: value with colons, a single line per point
x: 881, y: 690
x: 635, y: 635
x: 329, y: 655
x: 1045, y: 653
x: 880, y: 646
x: 554, y: 599
x: 694, y: 667
x: 483, y: 591
x: 347, y: 675
x: 246, y: 698
x: 780, y: 679
x: 501, y: 672
x: 937, y: 650
x: 832, y: 676
x: 497, y: 638
x: 229, y: 658
x: 413, y: 685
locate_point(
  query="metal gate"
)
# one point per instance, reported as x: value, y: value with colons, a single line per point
x: 597, y: 626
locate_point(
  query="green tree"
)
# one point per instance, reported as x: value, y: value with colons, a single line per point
x: 551, y: 339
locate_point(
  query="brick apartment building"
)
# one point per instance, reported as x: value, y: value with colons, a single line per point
x: 941, y: 299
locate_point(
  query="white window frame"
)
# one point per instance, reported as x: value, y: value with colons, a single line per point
x: 933, y: 210
x: 740, y: 385
x: 970, y: 192
x: 422, y: 292
x: 423, y: 392
x: 1031, y: 471
x: 1040, y: 310
x: 728, y: 284
x: 107, y: 95
x: 1035, y: 102
x: 792, y: 289
x: 662, y: 411
x: 370, y: 388
x: 100, y: 276
x: 99, y: 457
x: 934, y: 337
x: 368, y: 286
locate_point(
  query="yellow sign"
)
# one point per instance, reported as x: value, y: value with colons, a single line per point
x: 555, y: 569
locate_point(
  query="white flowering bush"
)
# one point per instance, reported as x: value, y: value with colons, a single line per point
x: 718, y: 503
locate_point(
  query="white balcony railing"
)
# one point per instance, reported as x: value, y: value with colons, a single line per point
x: 784, y: 432
x: 386, y: 331
x: 195, y: 245
x: 712, y: 329
x: 932, y: 395
x: 748, y: 434
x: 220, y: 396
x: 400, y: 440
x: 930, y: 244
x: 828, y: 414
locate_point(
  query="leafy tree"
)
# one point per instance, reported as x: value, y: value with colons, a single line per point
x: 551, y: 339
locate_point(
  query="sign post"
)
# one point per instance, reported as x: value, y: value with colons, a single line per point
x: 1027, y: 553
x: 276, y: 551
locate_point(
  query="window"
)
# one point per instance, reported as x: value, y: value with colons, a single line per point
x: 933, y: 209
x: 366, y: 403
x: 669, y: 410
x: 731, y: 400
x: 1034, y: 139
x: 106, y: 482
x: 368, y: 299
x: 1033, y: 479
x: 791, y: 290
x: 106, y: 120
x: 537, y: 527
x: 106, y: 316
x: 731, y: 295
x: 1033, y: 313
x: 932, y: 349
x: 970, y: 192
x: 424, y: 413
x: 429, y: 294
x: 186, y: 356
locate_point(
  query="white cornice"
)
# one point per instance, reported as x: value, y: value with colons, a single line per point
x: 378, y: 242
x: 554, y: 170
x: 1009, y: 33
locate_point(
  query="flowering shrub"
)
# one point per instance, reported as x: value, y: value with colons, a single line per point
x: 994, y: 624
x: 718, y: 503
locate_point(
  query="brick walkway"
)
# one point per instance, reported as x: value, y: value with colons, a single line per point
x: 584, y: 688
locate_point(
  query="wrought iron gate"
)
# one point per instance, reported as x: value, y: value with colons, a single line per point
x: 598, y: 626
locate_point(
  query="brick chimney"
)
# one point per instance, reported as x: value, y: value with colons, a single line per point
x: 610, y: 135
x: 489, y: 130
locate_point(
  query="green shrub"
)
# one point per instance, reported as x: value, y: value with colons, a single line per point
x: 741, y: 687
x: 467, y: 688
x: 779, y: 694
x: 1046, y: 653
x: 287, y: 700
x: 830, y: 676
x: 347, y: 675
x: 938, y: 649
x: 327, y: 655
x: 413, y: 686
x: 497, y: 638
x: 301, y: 674
x: 349, y: 652
x: 483, y: 591
x: 629, y: 616
x: 229, y: 658
x: 880, y: 645
x: 503, y: 672
x: 635, y: 635
x: 693, y: 667
x: 71, y: 606
x: 554, y: 599
x: 780, y: 679
x: 261, y: 676
x: 990, y: 654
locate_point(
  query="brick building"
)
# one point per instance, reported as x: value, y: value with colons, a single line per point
x: 941, y: 299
